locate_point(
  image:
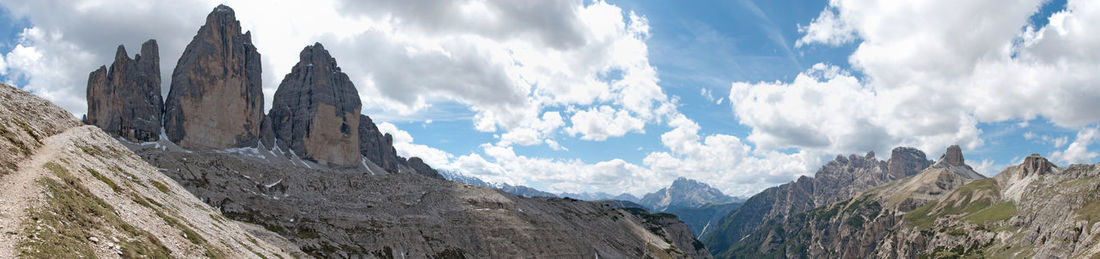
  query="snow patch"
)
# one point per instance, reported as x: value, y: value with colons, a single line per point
x: 273, y: 184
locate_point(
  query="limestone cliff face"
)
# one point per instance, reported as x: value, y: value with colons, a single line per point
x: 216, y: 98
x: 125, y: 100
x: 315, y: 112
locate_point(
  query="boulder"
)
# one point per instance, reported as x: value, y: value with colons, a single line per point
x: 125, y: 100
x: 216, y: 99
x: 315, y: 112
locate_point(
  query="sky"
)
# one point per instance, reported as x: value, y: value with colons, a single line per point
x: 626, y: 96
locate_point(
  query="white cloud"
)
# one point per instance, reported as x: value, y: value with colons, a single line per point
x: 931, y: 71
x: 3, y: 66
x: 826, y: 29
x: 602, y: 122
x: 1057, y: 142
x: 1078, y: 151
x: 725, y: 159
x: 68, y: 40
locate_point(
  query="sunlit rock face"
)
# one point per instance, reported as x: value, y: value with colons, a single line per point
x: 216, y: 99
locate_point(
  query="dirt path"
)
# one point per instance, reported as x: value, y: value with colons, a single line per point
x: 18, y: 192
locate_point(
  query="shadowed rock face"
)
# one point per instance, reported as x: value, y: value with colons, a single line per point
x: 315, y: 112
x: 125, y: 100
x: 954, y: 155
x: 376, y: 147
x: 215, y: 99
x: 419, y: 167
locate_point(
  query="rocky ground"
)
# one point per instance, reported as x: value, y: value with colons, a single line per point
x: 349, y: 213
x: 77, y: 192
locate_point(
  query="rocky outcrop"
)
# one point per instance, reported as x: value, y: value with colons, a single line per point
x: 377, y: 147
x: 125, y: 100
x: 216, y: 98
x: 953, y: 156
x: 315, y: 112
x: 419, y: 167
x: 906, y: 161
x: 953, y: 160
x: 1035, y: 164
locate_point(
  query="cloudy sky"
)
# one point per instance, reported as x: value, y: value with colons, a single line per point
x: 585, y: 96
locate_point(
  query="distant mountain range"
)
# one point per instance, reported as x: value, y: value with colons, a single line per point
x: 696, y: 204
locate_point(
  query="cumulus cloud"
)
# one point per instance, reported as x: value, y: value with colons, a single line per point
x: 931, y: 71
x: 1078, y: 152
x: 68, y: 40
x: 601, y: 122
x: 721, y: 158
x: 826, y: 29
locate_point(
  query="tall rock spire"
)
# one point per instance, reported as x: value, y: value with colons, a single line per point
x: 315, y: 112
x: 216, y: 99
x: 125, y: 100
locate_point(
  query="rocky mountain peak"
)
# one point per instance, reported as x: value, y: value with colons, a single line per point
x: 684, y: 183
x: 216, y: 98
x: 120, y: 54
x: 125, y: 100
x: 906, y: 161
x: 223, y: 15
x: 684, y: 192
x: 954, y: 156
x: 1036, y: 164
x: 953, y: 160
x: 315, y: 112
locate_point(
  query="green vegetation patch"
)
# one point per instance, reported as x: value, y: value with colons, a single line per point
x: 160, y: 186
x: 20, y: 147
x: 191, y: 235
x: 987, y: 184
x: 103, y: 179
x: 1090, y: 211
x: 997, y: 212
x: 919, y: 217
x: 71, y: 215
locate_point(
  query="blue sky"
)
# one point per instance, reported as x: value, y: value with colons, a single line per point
x: 745, y: 95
